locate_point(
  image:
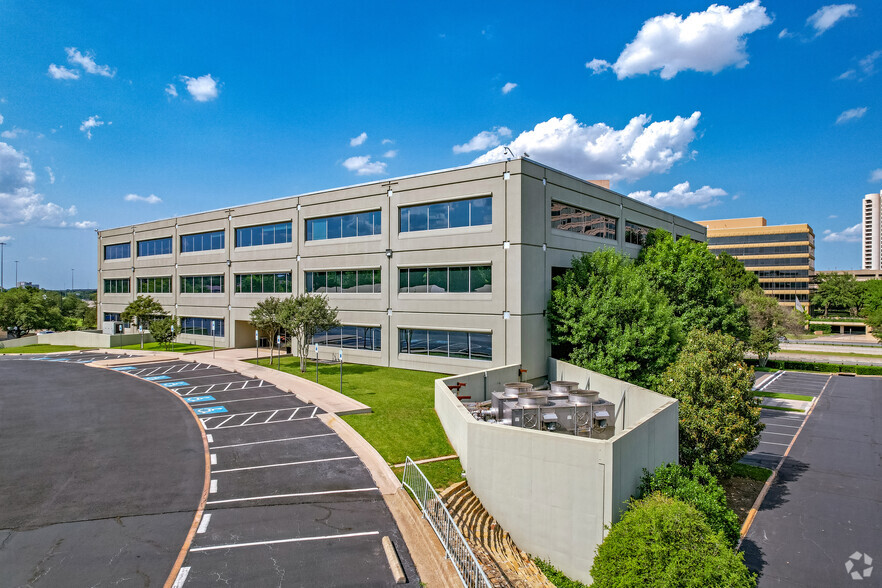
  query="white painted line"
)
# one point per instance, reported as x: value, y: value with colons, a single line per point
x: 213, y: 487
x: 290, y: 463
x: 210, y: 438
x: 770, y: 443
x: 297, y: 540
x: 782, y: 434
x: 203, y: 524
x: 270, y: 417
x: 290, y: 496
x: 314, y: 410
x: 247, y: 399
x: 225, y: 420
x: 769, y: 381
x: 181, y: 578
x: 259, y: 424
x: 214, y: 458
x: 248, y: 419
x: 274, y: 440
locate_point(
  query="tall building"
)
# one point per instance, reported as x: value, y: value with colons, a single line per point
x: 447, y: 271
x: 872, y: 232
x: 781, y: 256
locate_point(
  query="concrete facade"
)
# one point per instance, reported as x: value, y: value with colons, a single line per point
x: 519, y: 245
x: 554, y: 493
x: 871, y: 232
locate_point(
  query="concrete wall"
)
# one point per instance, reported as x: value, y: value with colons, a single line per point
x: 79, y: 339
x: 554, y: 493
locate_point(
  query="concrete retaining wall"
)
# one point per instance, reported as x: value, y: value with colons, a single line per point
x: 78, y: 339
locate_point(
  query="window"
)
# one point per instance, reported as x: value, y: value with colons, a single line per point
x: 154, y: 285
x: 161, y: 246
x: 202, y: 241
x: 263, y: 283
x: 766, y: 238
x: 263, y: 235
x: 343, y: 281
x: 635, y: 233
x: 118, y: 251
x: 202, y: 284
x: 576, y: 220
x: 442, y: 280
x: 117, y: 286
x: 784, y: 261
x: 201, y: 326
x: 455, y: 344
x: 446, y: 215
x: 781, y: 273
x: 111, y: 317
x: 767, y: 250
x: 350, y: 337
x: 360, y: 224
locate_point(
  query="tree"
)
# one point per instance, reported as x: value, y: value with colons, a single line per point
x: 306, y: 315
x: 664, y: 542
x: 142, y: 310
x: 165, y: 329
x: 768, y: 322
x: 698, y: 487
x: 719, y: 415
x: 871, y: 296
x: 838, y: 291
x: 612, y: 319
x: 689, y: 276
x: 23, y: 310
x: 266, y: 317
x: 734, y: 276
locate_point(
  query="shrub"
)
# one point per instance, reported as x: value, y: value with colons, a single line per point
x: 697, y: 487
x: 664, y: 542
x: 555, y: 576
x: 809, y: 366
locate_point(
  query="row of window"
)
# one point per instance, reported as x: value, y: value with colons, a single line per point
x: 202, y: 326
x: 784, y: 261
x: 455, y: 344
x: 349, y: 337
x: 154, y: 285
x: 203, y: 241
x: 343, y: 281
x: 202, y: 285
x: 770, y: 250
x: 576, y: 220
x: 784, y: 285
x: 361, y: 224
x: 781, y: 273
x: 446, y: 215
x: 263, y: 235
x: 764, y: 238
x: 636, y: 234
x: 117, y: 286
x: 263, y: 283
x: 438, y: 280
x: 162, y: 246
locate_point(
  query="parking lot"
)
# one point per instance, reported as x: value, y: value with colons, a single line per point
x: 289, y: 503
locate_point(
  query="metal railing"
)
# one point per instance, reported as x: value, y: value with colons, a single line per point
x: 458, y: 551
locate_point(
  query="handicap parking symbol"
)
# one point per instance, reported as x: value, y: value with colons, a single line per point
x: 123, y: 369
x: 154, y: 378
x: 177, y: 384
x: 192, y: 399
x: 210, y: 410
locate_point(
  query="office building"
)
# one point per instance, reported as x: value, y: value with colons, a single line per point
x: 872, y: 233
x: 447, y: 271
x: 781, y: 256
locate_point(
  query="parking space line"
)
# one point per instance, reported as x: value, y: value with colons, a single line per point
x: 248, y: 419
x: 295, y: 540
x: 782, y: 434
x: 258, y: 424
x: 272, y: 440
x: 181, y: 578
x: 269, y: 418
x: 771, y: 443
x: 244, y: 399
x: 203, y: 524
x: 777, y: 425
x: 225, y: 420
x: 295, y: 495
x: 279, y: 465
x: 213, y: 488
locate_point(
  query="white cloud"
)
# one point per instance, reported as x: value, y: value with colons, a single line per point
x: 356, y: 141
x: 484, y: 140
x: 50, y: 174
x: 598, y: 65
x: 1, y: 119
x: 59, y: 72
x: 171, y: 90
x: 849, y: 235
x: 80, y: 224
x: 832, y: 216
x: 867, y: 66
x: 706, y: 41
x: 363, y: 166
x: 202, y: 89
x: 13, y: 133
x: 19, y: 203
x: 90, y: 123
x: 508, y: 87
x: 152, y: 199
x: 829, y: 15
x: 391, y: 153
x: 6, y: 238
x: 851, y: 114
x: 387, y: 141
x: 876, y: 175
x: 87, y: 62
x: 785, y: 34
x: 847, y: 75
x: 680, y: 196
x: 602, y: 152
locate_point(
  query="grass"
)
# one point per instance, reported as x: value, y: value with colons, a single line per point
x: 743, y: 470
x: 757, y: 368
x: 784, y: 408
x: 179, y: 347
x: 403, y: 422
x: 832, y: 353
x: 783, y: 396
x: 43, y: 348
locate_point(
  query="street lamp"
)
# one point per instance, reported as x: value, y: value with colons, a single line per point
x: 2, y: 247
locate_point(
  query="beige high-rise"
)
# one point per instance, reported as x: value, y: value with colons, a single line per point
x: 871, y: 232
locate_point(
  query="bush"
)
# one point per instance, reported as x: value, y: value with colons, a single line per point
x: 555, y: 576
x: 664, y: 542
x: 697, y: 487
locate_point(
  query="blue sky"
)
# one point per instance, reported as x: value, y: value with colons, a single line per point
x: 114, y: 114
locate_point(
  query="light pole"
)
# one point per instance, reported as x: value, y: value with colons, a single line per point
x: 2, y: 248
x: 71, y: 279
x: 16, y: 274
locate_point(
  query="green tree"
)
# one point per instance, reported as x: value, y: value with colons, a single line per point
x: 734, y: 276
x: 23, y: 310
x: 837, y: 291
x: 688, y: 274
x: 165, y: 329
x: 719, y: 415
x: 612, y: 319
x: 768, y: 322
x: 303, y: 317
x: 666, y: 543
x: 142, y: 310
x: 871, y: 296
x: 698, y: 487
x: 266, y: 317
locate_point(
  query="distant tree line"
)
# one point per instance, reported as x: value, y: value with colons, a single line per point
x: 29, y: 309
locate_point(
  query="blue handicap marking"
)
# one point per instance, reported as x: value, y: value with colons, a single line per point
x: 154, y: 378
x: 210, y: 410
x: 122, y: 369
x: 40, y: 358
x: 192, y: 399
x: 175, y: 384
x: 64, y: 359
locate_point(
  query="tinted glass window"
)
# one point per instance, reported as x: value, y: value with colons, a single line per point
x: 456, y: 344
x: 263, y: 283
x: 116, y: 286
x: 350, y: 337
x: 155, y: 247
x: 576, y: 220
x: 119, y: 251
x: 263, y: 235
x: 359, y: 224
x: 202, y: 241
x: 439, y: 280
x: 443, y: 215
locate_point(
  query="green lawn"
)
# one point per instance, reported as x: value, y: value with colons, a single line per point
x: 753, y: 472
x: 403, y: 422
x: 178, y: 348
x: 37, y: 348
x: 832, y: 353
x: 784, y: 396
x: 784, y: 408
